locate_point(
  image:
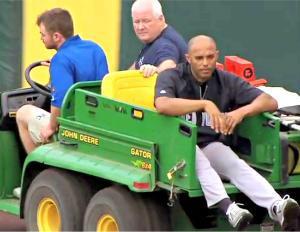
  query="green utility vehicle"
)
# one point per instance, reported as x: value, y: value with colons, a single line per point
x: 119, y: 165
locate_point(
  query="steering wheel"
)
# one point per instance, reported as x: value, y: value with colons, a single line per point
x: 42, y: 89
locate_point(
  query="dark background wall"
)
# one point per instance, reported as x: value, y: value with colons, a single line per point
x: 266, y: 32
x: 10, y: 44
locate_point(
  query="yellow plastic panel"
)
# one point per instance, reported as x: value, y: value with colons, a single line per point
x: 130, y: 87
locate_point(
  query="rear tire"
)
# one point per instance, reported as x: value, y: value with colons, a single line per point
x: 159, y: 213
x: 56, y: 201
x: 116, y: 209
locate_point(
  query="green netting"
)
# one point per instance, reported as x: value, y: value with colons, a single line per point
x: 10, y: 44
x: 266, y: 32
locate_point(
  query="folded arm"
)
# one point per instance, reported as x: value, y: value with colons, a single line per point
x: 180, y: 106
x: 262, y: 103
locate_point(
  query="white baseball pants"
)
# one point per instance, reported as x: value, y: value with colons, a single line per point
x: 216, y: 161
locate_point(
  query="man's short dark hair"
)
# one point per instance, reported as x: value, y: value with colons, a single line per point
x: 57, y: 20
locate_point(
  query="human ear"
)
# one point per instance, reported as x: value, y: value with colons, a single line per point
x: 187, y: 57
x: 161, y: 18
x: 56, y: 36
x: 217, y: 54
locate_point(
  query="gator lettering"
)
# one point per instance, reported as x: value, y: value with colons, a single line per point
x: 141, y: 153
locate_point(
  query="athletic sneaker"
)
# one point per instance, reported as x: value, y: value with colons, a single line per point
x: 239, y: 218
x: 286, y: 212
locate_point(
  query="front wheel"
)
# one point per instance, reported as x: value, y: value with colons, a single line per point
x: 56, y: 201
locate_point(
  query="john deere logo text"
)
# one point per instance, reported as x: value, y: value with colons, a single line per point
x: 80, y: 137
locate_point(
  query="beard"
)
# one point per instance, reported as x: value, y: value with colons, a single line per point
x: 50, y: 45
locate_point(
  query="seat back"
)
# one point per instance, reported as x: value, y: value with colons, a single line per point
x: 131, y: 87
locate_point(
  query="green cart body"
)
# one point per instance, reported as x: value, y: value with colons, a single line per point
x: 106, y: 144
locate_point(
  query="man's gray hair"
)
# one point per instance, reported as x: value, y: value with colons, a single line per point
x: 155, y: 4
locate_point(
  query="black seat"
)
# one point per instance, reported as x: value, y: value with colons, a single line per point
x: 290, y: 110
x: 11, y: 101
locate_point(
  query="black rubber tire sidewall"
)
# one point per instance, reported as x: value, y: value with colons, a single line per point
x: 65, y: 190
x: 127, y: 208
